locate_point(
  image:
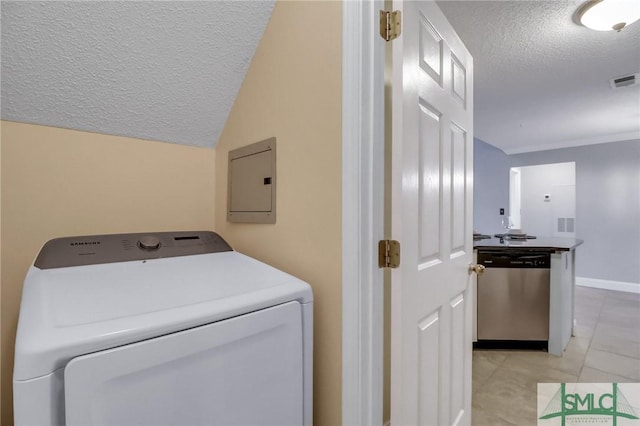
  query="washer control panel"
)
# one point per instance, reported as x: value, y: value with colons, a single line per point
x: 98, y: 249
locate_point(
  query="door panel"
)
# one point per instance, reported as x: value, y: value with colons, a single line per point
x: 431, y: 48
x: 458, y: 338
x: 428, y: 377
x: 459, y: 80
x: 432, y: 159
x: 430, y: 183
x: 458, y: 189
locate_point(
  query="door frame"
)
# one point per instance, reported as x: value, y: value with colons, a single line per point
x: 362, y: 212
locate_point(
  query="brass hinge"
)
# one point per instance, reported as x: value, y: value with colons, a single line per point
x: 388, y: 254
x: 390, y: 24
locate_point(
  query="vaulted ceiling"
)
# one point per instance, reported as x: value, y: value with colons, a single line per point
x: 161, y: 70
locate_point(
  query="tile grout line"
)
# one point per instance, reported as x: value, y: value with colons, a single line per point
x: 488, y: 378
x: 586, y: 353
x: 494, y: 371
x: 619, y: 375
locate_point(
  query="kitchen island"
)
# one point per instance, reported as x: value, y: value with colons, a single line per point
x: 538, y: 244
x: 561, y: 266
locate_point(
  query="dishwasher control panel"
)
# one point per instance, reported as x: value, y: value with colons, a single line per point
x: 514, y: 259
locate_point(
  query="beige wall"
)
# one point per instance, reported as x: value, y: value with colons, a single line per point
x: 1, y: 339
x: 58, y: 182
x: 293, y: 92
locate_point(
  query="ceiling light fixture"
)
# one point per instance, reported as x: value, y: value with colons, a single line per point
x: 608, y: 15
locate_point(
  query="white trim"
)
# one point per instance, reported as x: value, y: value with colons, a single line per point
x: 608, y: 284
x: 362, y: 213
x: 619, y: 137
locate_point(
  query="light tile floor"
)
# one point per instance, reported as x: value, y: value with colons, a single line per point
x: 606, y: 348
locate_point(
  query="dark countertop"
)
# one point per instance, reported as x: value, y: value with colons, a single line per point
x: 538, y: 244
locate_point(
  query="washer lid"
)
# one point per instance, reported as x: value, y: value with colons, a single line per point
x: 66, y: 312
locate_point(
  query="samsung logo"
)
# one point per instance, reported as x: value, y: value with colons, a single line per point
x: 85, y: 243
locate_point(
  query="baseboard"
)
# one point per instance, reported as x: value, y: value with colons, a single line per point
x: 608, y: 285
x: 387, y: 423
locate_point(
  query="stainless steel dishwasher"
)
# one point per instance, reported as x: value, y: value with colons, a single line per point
x: 513, y: 295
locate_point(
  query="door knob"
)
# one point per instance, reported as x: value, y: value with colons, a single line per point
x: 478, y: 269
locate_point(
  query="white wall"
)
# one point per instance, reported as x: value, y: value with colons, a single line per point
x: 515, y: 198
x: 607, y: 206
x: 539, y: 214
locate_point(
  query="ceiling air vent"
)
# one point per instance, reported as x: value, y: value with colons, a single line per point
x: 625, y: 81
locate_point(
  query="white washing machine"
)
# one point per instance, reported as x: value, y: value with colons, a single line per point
x: 173, y: 328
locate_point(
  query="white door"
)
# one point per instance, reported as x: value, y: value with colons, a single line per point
x: 432, y: 187
x: 515, y: 185
x: 246, y: 370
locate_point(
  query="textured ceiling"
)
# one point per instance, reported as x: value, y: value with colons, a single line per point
x: 541, y: 81
x: 167, y: 71
x: 170, y: 71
